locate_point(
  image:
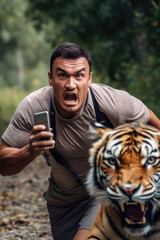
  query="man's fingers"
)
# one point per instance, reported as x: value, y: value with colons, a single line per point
x: 37, y: 135
x: 40, y: 140
x: 38, y: 128
x: 43, y: 144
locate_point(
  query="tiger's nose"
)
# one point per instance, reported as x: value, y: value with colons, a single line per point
x: 129, y: 189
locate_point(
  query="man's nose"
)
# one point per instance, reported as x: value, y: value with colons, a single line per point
x: 71, y: 83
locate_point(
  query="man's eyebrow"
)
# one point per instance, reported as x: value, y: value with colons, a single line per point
x: 62, y: 70
x: 81, y: 70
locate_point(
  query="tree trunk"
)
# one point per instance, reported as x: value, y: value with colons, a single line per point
x: 20, y: 69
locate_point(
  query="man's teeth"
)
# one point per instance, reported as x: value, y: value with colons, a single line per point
x: 72, y: 101
x: 70, y: 98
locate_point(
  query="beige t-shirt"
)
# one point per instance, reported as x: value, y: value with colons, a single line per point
x: 72, y: 140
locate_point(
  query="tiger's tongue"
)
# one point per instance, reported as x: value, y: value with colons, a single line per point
x: 134, y: 212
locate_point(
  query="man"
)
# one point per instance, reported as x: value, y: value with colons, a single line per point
x: 72, y: 211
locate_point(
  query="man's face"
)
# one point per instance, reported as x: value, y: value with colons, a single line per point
x: 70, y: 80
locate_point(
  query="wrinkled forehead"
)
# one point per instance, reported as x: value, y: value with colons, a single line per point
x: 70, y: 65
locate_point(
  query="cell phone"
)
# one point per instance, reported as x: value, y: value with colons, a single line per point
x: 42, y: 118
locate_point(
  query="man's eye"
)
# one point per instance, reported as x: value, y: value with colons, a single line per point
x: 62, y: 75
x: 79, y: 76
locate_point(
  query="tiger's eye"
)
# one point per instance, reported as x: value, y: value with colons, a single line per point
x: 111, y: 161
x: 151, y: 160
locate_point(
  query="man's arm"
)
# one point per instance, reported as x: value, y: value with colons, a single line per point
x: 13, y: 160
x: 153, y: 120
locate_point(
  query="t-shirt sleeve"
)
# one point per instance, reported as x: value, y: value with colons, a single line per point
x: 131, y: 109
x: 120, y: 106
x: 18, y: 131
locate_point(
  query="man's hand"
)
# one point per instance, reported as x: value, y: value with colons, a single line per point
x: 40, y: 140
x: 13, y: 160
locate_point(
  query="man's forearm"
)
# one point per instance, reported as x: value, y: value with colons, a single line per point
x: 14, y: 160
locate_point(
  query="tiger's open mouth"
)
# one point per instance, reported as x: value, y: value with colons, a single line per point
x: 134, y: 213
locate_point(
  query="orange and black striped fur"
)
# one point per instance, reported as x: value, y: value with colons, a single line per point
x: 125, y: 177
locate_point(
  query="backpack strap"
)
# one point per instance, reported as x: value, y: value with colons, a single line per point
x: 57, y: 156
x: 100, y: 116
x: 53, y: 119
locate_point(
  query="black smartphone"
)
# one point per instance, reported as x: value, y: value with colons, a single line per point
x: 42, y: 118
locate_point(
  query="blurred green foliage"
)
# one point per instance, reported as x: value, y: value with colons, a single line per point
x: 23, y: 51
x: 10, y: 97
x: 122, y: 37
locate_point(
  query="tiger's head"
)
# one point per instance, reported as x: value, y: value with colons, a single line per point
x: 125, y: 173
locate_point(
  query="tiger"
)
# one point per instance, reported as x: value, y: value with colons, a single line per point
x: 124, y: 176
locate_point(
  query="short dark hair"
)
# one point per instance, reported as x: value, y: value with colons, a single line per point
x: 70, y: 51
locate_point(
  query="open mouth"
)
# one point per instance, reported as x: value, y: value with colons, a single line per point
x: 70, y: 98
x: 134, y: 213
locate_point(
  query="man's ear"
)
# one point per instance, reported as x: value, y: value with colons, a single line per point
x: 50, y: 79
x: 90, y: 79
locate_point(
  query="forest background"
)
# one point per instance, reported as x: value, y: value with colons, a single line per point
x: 123, y: 37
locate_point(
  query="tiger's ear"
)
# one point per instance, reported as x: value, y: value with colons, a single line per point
x: 96, y: 130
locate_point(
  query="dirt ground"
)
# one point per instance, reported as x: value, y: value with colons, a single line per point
x: 23, y: 213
